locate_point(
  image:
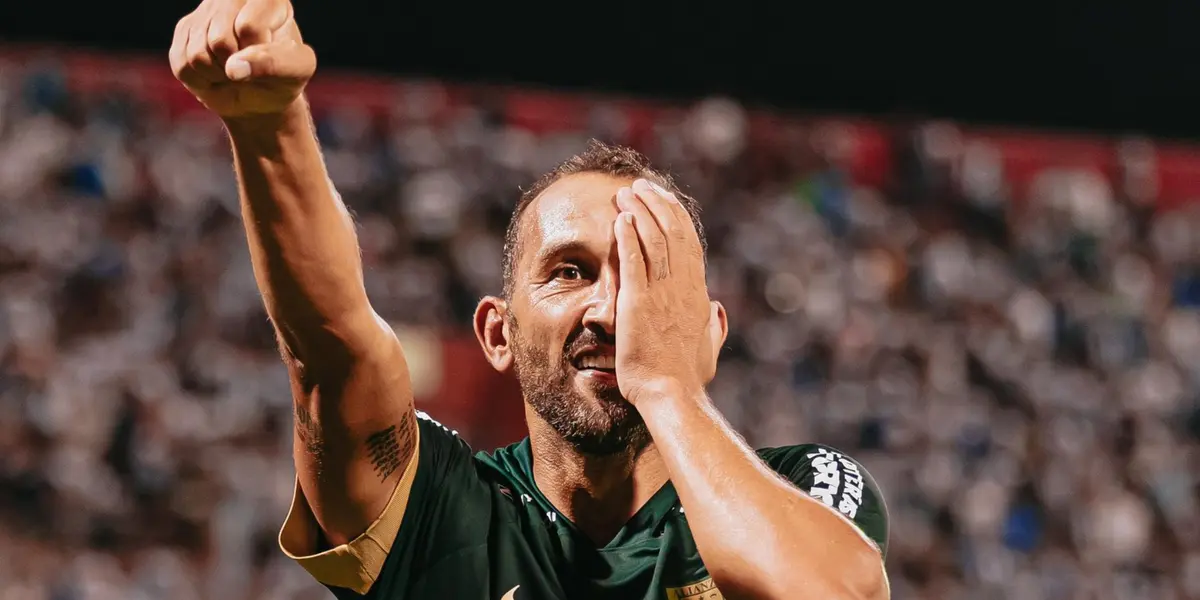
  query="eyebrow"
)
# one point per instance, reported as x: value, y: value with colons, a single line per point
x: 558, y: 248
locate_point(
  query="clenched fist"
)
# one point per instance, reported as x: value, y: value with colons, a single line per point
x: 242, y: 58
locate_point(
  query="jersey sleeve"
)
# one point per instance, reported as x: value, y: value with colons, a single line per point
x: 441, y: 505
x: 837, y: 480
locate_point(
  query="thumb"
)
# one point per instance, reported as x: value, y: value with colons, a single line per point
x: 286, y: 59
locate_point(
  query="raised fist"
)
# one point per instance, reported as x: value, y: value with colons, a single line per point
x: 242, y: 58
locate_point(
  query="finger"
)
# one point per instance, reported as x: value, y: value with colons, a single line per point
x: 629, y: 250
x: 178, y: 52
x: 278, y: 60
x: 686, y: 220
x: 201, y: 65
x: 658, y: 202
x: 258, y: 20
x: 654, y: 243
x: 662, y: 204
x: 222, y: 42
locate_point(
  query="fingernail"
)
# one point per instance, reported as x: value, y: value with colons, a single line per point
x: 628, y: 217
x: 661, y: 191
x: 237, y: 69
x: 624, y: 195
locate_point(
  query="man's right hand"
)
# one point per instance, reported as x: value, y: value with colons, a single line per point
x: 242, y: 58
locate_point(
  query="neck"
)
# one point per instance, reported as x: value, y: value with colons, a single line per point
x: 599, y: 494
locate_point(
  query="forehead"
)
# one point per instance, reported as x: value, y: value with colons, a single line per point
x: 577, y: 209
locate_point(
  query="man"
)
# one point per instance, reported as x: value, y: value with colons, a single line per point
x: 630, y: 484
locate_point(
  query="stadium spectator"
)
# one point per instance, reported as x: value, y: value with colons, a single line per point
x: 1021, y: 377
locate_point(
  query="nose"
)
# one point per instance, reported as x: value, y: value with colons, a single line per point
x: 600, y: 314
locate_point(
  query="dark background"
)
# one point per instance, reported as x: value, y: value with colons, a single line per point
x: 1113, y: 66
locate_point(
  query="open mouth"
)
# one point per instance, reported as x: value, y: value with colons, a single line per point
x: 596, y: 361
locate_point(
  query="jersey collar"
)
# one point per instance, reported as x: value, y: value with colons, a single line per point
x: 646, y: 522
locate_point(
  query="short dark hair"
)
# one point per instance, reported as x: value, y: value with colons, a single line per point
x: 598, y: 157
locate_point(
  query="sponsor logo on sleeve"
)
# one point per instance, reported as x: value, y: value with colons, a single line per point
x: 837, y: 481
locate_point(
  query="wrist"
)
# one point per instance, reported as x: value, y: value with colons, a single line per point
x: 294, y: 118
x: 667, y: 391
x: 674, y: 409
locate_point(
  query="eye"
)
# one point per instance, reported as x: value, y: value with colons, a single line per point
x: 568, y: 273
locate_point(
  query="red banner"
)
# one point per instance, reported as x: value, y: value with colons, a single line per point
x: 1025, y: 154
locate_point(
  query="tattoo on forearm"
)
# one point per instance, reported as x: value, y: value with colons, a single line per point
x: 308, y: 431
x: 390, y: 448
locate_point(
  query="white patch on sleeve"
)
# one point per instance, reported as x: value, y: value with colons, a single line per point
x: 837, y: 482
x: 425, y: 416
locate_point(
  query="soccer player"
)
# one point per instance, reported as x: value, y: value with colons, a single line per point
x: 630, y: 485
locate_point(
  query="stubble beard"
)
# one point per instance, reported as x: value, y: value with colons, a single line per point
x: 606, y: 425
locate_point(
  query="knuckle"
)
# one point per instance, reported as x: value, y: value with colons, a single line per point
x: 222, y: 42
x: 199, y: 57
x: 246, y: 25
x: 179, y: 65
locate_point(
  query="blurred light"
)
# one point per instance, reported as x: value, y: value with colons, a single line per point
x: 1031, y: 316
x: 718, y: 127
x: 824, y: 303
x: 784, y: 292
x: 982, y: 172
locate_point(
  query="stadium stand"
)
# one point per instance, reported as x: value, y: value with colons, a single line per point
x: 1002, y: 325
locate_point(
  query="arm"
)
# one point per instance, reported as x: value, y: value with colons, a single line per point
x: 759, y: 536
x: 354, y: 423
x: 747, y: 520
x: 354, y: 429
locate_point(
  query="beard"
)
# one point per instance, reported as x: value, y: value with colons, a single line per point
x: 602, y: 423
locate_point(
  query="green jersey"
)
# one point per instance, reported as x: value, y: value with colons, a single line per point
x: 476, y: 527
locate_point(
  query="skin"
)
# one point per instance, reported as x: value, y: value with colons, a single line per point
x: 354, y: 425
x: 634, y: 272
x: 644, y: 300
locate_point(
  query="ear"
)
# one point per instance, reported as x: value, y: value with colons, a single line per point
x: 718, y: 330
x: 491, y: 329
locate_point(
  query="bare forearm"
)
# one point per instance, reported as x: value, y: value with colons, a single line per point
x: 759, y: 536
x: 302, y: 239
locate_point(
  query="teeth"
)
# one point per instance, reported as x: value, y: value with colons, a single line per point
x: 598, y: 362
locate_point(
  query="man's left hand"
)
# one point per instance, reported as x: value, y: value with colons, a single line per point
x: 668, y: 331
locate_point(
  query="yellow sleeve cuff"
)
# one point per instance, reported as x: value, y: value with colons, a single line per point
x: 357, y: 564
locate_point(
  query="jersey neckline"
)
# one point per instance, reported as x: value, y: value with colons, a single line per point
x: 645, y: 522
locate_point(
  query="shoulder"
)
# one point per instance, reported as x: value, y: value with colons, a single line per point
x: 426, y: 421
x: 783, y: 458
x: 837, y: 480
x: 805, y: 457
x: 510, y: 466
x: 821, y: 469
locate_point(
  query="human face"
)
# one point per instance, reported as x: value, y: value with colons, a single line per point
x: 562, y: 315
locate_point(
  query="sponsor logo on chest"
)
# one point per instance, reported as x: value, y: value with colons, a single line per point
x: 704, y: 589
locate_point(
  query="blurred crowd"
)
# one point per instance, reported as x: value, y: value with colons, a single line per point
x: 1019, y: 371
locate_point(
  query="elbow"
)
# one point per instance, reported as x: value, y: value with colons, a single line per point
x: 329, y: 349
x: 862, y: 576
x: 871, y: 582
x: 858, y: 577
